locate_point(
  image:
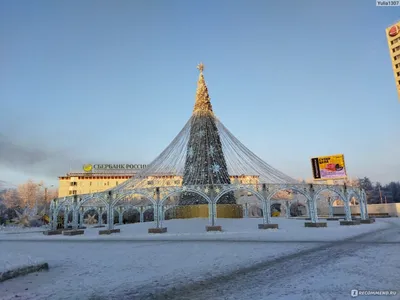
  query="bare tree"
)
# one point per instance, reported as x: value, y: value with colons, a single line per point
x: 29, y: 193
x: 11, y: 199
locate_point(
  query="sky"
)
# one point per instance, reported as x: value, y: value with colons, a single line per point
x: 115, y: 82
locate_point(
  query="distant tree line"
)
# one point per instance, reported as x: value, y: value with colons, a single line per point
x: 378, y: 193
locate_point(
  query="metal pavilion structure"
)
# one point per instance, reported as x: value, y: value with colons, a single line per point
x: 197, y: 167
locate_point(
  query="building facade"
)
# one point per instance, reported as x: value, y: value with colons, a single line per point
x: 90, y: 180
x: 85, y: 183
x: 393, y: 39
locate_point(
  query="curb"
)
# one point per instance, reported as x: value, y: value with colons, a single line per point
x: 21, y: 271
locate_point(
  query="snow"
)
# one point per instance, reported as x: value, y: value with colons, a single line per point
x: 9, y: 229
x: 369, y: 263
x: 87, y: 265
x: 14, y: 260
x: 290, y: 230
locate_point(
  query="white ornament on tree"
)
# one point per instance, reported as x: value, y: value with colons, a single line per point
x: 201, y: 133
x: 215, y: 168
x: 190, y: 152
x: 212, y: 150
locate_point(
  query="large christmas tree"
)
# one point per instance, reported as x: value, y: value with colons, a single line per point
x: 205, y: 162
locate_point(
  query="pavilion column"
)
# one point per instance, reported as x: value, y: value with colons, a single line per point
x: 55, y: 220
x: 362, y: 207
x: 309, y: 207
x: 66, y: 213
x: 120, y: 216
x: 50, y: 217
x: 100, y: 213
x: 111, y: 218
x: 54, y: 223
x: 266, y: 206
x: 347, y: 209
x: 75, y: 215
x: 312, y: 200
x: 330, y: 203
x: 162, y: 212
x: 364, y: 196
x: 110, y: 211
x: 212, y: 208
x: 141, y: 214
x: 287, y: 209
x: 246, y: 210
x: 81, y: 215
x: 156, y: 210
x: 311, y: 210
x: 267, y: 209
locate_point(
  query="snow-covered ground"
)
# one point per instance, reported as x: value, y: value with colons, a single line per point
x: 368, y: 263
x: 134, y: 260
x: 290, y: 230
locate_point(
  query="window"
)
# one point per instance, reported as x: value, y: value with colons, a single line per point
x: 168, y: 182
x: 73, y: 192
x: 397, y: 57
x: 397, y: 66
x: 90, y: 183
x: 116, y: 183
x: 398, y: 73
x: 395, y: 41
x: 150, y: 182
x: 177, y: 182
x: 396, y: 49
x: 73, y: 183
x: 70, y: 192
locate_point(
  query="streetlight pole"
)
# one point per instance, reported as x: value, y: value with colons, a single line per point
x: 45, y: 194
x: 380, y: 193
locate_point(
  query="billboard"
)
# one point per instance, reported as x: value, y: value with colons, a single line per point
x: 329, y: 167
x: 112, y: 167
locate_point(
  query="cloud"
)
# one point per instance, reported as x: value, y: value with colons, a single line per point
x: 34, y: 160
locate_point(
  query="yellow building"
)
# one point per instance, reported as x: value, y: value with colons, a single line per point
x: 393, y: 38
x: 98, y: 178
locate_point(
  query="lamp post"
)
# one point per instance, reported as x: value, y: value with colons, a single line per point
x: 45, y: 194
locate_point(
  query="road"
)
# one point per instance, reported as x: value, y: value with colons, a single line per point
x: 368, y: 262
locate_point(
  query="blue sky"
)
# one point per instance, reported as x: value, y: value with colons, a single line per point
x: 114, y: 81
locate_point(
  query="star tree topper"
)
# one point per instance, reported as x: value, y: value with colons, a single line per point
x: 200, y: 67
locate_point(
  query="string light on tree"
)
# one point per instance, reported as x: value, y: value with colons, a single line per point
x: 204, y: 140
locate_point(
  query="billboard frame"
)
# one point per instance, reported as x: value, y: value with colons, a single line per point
x: 316, y: 172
